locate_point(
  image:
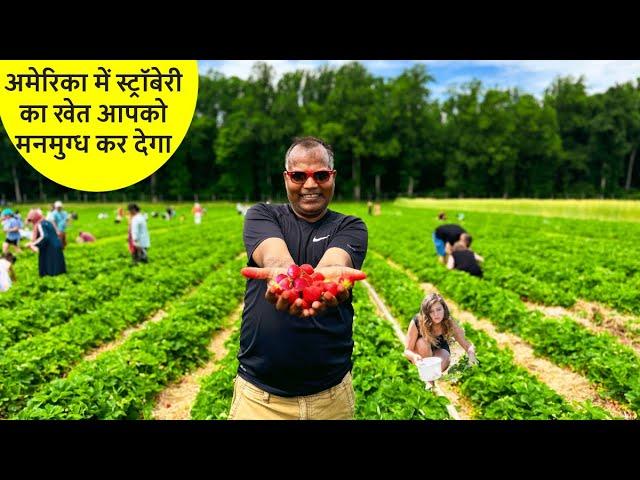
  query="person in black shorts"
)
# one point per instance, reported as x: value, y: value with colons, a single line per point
x: 463, y: 258
x: 444, y: 237
x: 11, y: 226
x: 431, y: 330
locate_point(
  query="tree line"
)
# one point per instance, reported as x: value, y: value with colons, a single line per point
x: 390, y: 138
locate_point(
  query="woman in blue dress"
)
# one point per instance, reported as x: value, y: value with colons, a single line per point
x: 45, y: 241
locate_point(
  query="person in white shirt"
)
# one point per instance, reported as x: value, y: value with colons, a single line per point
x: 138, y: 234
x: 7, y: 275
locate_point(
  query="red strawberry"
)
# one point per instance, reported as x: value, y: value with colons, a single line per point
x: 356, y: 276
x: 275, y: 288
x: 306, y: 268
x: 317, y: 276
x: 293, y: 271
x: 300, y: 284
x: 291, y: 295
x: 311, y: 294
x: 332, y: 288
x: 253, y: 272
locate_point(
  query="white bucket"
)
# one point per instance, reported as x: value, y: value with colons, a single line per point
x: 430, y: 368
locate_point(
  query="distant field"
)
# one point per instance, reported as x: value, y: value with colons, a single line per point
x: 555, y: 319
x: 620, y: 210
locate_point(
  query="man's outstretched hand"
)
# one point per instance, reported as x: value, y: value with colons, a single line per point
x: 303, y: 291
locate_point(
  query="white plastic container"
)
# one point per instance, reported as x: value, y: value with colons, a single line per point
x: 430, y: 368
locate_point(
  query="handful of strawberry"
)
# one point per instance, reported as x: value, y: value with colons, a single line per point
x: 305, y: 283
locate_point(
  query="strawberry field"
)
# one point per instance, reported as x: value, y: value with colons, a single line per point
x: 555, y: 320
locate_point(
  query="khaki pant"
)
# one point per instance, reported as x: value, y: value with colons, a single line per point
x: 252, y: 403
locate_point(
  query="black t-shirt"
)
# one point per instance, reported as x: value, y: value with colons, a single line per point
x: 284, y: 354
x: 441, y: 342
x: 450, y: 232
x: 465, y: 260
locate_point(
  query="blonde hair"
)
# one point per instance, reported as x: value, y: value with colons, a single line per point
x: 425, y: 323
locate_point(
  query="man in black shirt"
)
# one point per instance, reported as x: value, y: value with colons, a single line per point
x: 295, y: 363
x: 444, y: 237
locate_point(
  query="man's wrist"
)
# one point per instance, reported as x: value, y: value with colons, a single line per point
x: 277, y: 262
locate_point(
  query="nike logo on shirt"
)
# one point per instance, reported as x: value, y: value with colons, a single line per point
x: 321, y: 238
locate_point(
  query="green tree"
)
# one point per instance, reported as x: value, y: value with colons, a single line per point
x: 568, y: 97
x: 414, y: 126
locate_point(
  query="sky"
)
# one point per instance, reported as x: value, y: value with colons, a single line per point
x: 531, y: 76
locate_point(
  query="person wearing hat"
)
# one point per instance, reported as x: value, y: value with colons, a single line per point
x: 60, y: 218
x: 11, y: 227
x: 46, y: 243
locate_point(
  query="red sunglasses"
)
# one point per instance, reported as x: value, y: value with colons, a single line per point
x: 319, y: 176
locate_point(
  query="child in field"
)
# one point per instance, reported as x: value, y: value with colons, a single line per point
x: 431, y: 329
x: 7, y: 275
x: 11, y: 226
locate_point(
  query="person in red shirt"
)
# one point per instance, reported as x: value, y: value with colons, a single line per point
x: 85, y: 237
x: 197, y: 213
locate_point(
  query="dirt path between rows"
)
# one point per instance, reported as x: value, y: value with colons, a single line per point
x: 597, y: 318
x: 93, y: 354
x: 442, y: 389
x: 156, y: 317
x: 175, y: 401
x: 570, y: 385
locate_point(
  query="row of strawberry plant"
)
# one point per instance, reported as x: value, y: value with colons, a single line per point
x: 588, y: 229
x: 497, y: 387
x: 386, y: 386
x: 118, y: 275
x: 591, y: 265
x: 27, y: 364
x: 86, y: 261
x: 216, y: 390
x: 123, y: 383
x: 600, y: 357
x: 560, y: 267
x: 88, y: 220
x: 560, y: 278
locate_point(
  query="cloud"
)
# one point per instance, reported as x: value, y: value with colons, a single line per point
x: 532, y: 76
x: 242, y: 68
x: 535, y: 75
